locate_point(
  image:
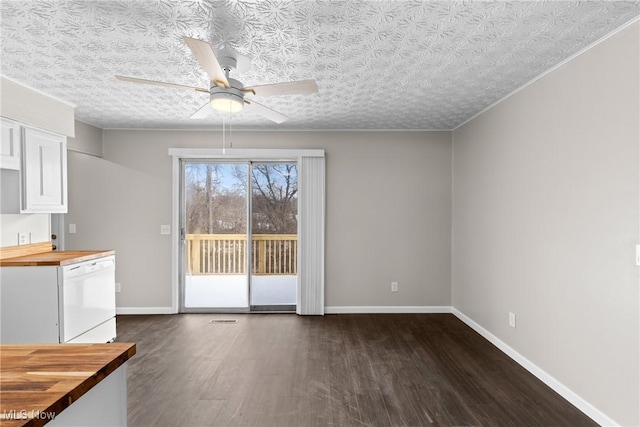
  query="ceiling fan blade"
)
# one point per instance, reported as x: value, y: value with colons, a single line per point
x: 207, y: 59
x: 265, y: 111
x: 157, y: 83
x: 204, y: 111
x: 288, y: 88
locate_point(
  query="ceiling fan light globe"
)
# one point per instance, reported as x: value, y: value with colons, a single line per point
x: 226, y: 102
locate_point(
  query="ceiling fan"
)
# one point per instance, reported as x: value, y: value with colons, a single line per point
x: 227, y: 95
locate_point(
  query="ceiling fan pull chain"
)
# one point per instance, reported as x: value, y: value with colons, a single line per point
x: 223, y: 149
x: 230, y: 123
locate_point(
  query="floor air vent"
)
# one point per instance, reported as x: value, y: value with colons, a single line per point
x: 223, y: 321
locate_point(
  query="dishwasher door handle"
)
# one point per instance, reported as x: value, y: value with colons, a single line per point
x: 101, y: 265
x: 89, y: 267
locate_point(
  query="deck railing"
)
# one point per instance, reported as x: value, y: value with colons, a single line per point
x: 227, y: 254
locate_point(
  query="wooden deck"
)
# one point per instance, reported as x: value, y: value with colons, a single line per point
x: 228, y: 254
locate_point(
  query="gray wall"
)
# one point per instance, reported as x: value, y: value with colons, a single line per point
x: 546, y: 215
x: 388, y: 211
x: 87, y: 139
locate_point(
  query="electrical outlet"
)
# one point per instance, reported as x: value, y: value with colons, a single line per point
x: 165, y: 229
x: 512, y: 320
x: 72, y: 229
x: 118, y: 287
x: 394, y: 286
x: 23, y: 238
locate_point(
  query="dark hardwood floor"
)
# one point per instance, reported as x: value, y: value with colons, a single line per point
x: 336, y: 370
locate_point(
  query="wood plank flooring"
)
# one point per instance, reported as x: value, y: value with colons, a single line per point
x: 336, y: 370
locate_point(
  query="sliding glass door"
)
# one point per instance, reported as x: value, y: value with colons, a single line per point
x: 274, y: 225
x: 239, y: 236
x: 215, y: 236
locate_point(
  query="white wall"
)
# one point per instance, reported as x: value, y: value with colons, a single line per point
x: 546, y: 215
x: 30, y: 106
x: 37, y: 226
x: 388, y: 211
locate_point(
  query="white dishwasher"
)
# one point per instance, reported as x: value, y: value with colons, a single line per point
x: 70, y: 303
x: 87, y: 298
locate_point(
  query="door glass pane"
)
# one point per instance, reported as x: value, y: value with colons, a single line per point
x: 274, y: 204
x: 216, y: 243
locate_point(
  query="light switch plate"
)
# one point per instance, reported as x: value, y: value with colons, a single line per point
x: 638, y: 255
x: 165, y: 229
x: 72, y: 229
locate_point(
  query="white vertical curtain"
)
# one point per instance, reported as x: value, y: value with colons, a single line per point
x: 311, y: 225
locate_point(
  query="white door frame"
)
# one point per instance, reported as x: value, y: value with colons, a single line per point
x: 286, y: 155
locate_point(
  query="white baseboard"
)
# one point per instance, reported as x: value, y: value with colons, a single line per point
x: 573, y: 398
x: 342, y: 309
x: 144, y: 310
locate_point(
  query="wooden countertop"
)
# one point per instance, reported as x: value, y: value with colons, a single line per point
x: 53, y: 258
x: 47, y: 378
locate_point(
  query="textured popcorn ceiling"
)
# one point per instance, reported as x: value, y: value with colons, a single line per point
x: 378, y: 64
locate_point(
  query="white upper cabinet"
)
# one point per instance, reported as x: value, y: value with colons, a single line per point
x: 38, y: 181
x: 9, y: 144
x: 44, y: 172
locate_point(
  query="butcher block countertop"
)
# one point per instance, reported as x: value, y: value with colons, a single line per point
x: 38, y: 381
x: 53, y: 258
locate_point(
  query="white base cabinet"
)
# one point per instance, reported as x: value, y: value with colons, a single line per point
x: 103, y: 405
x: 29, y: 305
x: 75, y: 303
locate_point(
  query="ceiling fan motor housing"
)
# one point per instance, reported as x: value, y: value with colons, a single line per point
x: 227, y: 99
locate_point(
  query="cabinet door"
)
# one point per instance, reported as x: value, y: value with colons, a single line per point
x: 9, y: 144
x: 29, y: 305
x: 44, y: 173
